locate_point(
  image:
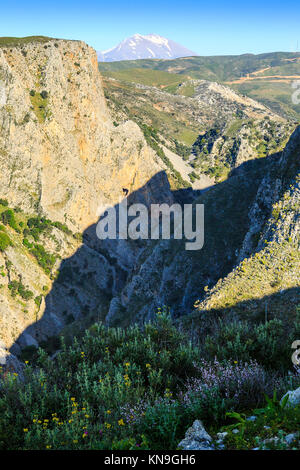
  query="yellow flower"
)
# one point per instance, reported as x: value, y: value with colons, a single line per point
x: 235, y: 362
x: 72, y: 399
x: 75, y: 441
x: 127, y: 364
x: 25, y: 430
x: 26, y: 362
x: 121, y: 422
x: 34, y: 420
x: 48, y: 447
x: 70, y: 421
x: 86, y: 416
x: 107, y: 425
x: 108, y: 412
x: 148, y: 366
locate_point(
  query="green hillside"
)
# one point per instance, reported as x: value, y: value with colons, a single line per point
x: 264, y: 77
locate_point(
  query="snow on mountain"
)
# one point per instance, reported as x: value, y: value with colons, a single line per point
x: 150, y: 46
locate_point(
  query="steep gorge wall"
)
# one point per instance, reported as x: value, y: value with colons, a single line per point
x: 61, y: 157
x: 60, y: 154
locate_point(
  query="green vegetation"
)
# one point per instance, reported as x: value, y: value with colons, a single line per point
x: 16, y: 287
x: 214, y: 68
x: 156, y: 78
x: 8, y: 218
x: 12, y: 41
x: 5, y: 241
x: 273, y: 93
x: 129, y: 389
x: 45, y: 260
x: 153, y: 140
x: 173, y: 122
x: 40, y: 103
x: 267, y: 431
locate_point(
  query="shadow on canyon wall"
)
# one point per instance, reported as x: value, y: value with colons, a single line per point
x: 99, y: 269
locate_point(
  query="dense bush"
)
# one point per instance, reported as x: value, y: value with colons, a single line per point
x: 5, y: 241
x: 123, y: 389
x: 16, y: 287
x: 8, y: 218
x: 269, y: 343
x: 46, y: 260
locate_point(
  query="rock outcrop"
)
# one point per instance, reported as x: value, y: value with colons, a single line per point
x: 196, y: 438
x: 60, y: 154
x: 61, y: 158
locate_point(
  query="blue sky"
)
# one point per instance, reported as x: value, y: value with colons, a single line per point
x: 208, y: 28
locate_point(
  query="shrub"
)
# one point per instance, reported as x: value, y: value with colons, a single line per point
x: 266, y: 342
x: 45, y: 260
x: 122, y: 389
x: 8, y: 218
x: 238, y: 384
x: 5, y: 241
x: 44, y: 94
x: 16, y: 287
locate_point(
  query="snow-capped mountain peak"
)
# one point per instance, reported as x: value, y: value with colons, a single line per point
x: 150, y: 46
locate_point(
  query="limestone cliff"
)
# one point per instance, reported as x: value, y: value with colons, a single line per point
x: 60, y: 154
x: 61, y: 158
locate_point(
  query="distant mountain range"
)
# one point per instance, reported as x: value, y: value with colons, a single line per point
x: 150, y: 46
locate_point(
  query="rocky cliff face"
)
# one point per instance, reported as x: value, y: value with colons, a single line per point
x: 250, y: 259
x: 61, y: 158
x: 60, y: 153
x: 63, y: 161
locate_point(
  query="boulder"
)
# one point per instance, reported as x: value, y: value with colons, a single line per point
x: 196, y: 438
x: 26, y: 340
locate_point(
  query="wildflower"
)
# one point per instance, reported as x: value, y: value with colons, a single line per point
x: 107, y: 425
x: 25, y: 430
x: 148, y: 366
x: 48, y: 447
x: 121, y: 422
x: 26, y: 362
x: 75, y: 441
x: 72, y: 399
x: 87, y: 416
x: 127, y: 364
x: 34, y: 420
x: 108, y: 412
